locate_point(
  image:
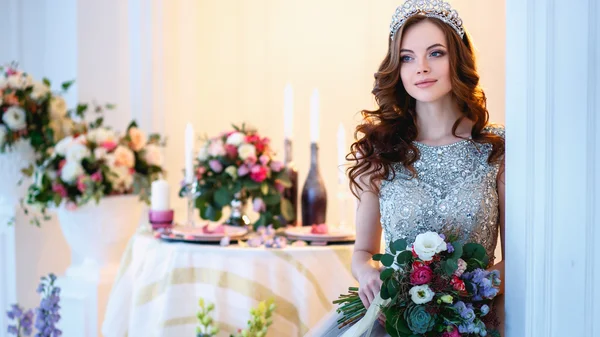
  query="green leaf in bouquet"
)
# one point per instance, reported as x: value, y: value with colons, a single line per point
x: 458, y: 251
x: 262, y: 221
x: 474, y: 250
x: 264, y: 188
x: 46, y: 82
x: 392, y: 248
x: 272, y: 199
x: 404, y: 257
x: 67, y: 85
x: 251, y: 185
x: 223, y: 197
x: 474, y: 263
x: 392, y: 288
x: 211, y: 213
x: 384, y: 292
x: 387, y: 260
x: 449, y: 266
x: 401, y: 326
x: 469, y: 287
x: 287, y: 210
x: 81, y: 109
x: 386, y: 274
x: 377, y: 257
x: 399, y: 245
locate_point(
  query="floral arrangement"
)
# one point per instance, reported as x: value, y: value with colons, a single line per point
x: 258, y: 324
x: 29, y: 110
x: 239, y: 164
x: 433, y: 287
x: 95, y: 163
x: 46, y: 315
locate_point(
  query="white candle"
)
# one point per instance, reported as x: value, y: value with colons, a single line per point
x: 341, y: 145
x: 159, y: 198
x: 314, y: 117
x: 189, y: 153
x: 288, y: 111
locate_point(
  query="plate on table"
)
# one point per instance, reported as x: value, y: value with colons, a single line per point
x: 304, y: 233
x: 212, y: 233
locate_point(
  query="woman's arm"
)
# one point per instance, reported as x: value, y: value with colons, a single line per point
x: 368, y: 238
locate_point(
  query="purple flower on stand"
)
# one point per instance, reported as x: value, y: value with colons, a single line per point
x: 280, y: 242
x: 23, y: 321
x: 48, y: 311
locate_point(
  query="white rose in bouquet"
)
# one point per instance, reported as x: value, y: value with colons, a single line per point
x: 70, y: 171
x: 122, y: 179
x: 124, y: 157
x: 14, y: 118
x: 235, y: 138
x: 421, y: 294
x: 102, y: 135
x: 58, y: 107
x: 138, y: 138
x: 19, y: 81
x: 203, y: 154
x: 39, y: 90
x: 246, y: 151
x: 428, y: 244
x: 77, y: 151
x: 152, y: 155
x: 63, y: 145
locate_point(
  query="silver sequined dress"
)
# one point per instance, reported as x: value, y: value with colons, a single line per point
x: 455, y: 191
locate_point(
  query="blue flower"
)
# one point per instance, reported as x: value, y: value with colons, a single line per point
x: 484, y: 310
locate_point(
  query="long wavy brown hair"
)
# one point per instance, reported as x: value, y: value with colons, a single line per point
x: 387, y: 134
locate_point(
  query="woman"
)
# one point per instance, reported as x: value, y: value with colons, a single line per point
x: 427, y: 159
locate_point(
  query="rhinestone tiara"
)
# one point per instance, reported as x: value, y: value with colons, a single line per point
x: 431, y: 8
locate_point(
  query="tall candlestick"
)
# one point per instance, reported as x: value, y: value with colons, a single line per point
x: 189, y: 153
x: 288, y: 111
x: 314, y: 117
x: 159, y: 197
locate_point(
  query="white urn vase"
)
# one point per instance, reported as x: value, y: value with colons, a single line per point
x: 19, y: 156
x: 98, y: 233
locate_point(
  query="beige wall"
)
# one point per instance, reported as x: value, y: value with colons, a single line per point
x: 228, y: 61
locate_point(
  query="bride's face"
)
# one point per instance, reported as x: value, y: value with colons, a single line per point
x: 425, y: 66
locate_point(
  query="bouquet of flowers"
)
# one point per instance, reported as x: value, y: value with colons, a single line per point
x: 433, y: 287
x: 240, y: 164
x: 95, y: 163
x: 29, y: 110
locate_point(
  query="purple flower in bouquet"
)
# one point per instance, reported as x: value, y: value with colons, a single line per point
x: 215, y: 165
x: 23, y: 321
x: 483, y: 281
x: 259, y: 205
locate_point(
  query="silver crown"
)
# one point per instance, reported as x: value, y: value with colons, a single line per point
x: 432, y: 8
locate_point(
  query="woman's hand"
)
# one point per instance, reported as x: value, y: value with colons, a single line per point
x: 369, y: 286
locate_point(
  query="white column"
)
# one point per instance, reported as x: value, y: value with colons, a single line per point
x: 553, y: 168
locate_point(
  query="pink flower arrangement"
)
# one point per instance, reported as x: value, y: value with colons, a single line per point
x: 241, y: 162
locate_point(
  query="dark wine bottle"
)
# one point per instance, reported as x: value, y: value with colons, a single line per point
x: 314, y: 194
x: 291, y: 193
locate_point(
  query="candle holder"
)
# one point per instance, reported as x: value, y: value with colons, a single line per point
x: 161, y: 220
x: 191, y: 193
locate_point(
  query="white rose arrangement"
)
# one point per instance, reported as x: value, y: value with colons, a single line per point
x: 95, y: 164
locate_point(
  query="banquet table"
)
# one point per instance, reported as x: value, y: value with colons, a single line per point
x: 159, y: 283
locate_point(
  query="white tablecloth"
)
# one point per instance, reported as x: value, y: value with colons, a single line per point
x: 159, y: 283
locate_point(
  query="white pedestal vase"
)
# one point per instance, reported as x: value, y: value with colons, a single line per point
x: 11, y: 163
x: 97, y: 235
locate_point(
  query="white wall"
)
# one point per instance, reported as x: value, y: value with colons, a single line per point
x: 553, y: 173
